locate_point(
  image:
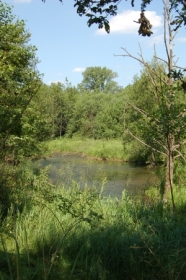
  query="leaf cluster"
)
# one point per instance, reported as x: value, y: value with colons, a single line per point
x: 180, y: 7
x: 98, y: 11
x: 99, y: 79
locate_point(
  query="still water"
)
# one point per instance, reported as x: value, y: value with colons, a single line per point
x: 116, y: 176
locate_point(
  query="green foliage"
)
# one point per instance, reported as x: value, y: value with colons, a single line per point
x: 148, y: 116
x: 138, y: 154
x: 19, y: 83
x: 180, y: 7
x: 63, y: 111
x: 109, y: 120
x: 180, y: 174
x: 99, y: 79
x: 55, y: 105
x: 85, y: 110
x: 20, y: 127
x: 140, y: 95
x: 162, y: 128
x: 75, y: 234
x: 112, y: 149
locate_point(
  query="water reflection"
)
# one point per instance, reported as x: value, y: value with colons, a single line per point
x: 116, y: 175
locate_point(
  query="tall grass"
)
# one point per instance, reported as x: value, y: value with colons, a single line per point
x: 103, y: 149
x: 77, y: 234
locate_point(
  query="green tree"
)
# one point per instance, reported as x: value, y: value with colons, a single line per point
x: 109, y: 120
x: 19, y: 83
x: 64, y: 103
x: 83, y: 117
x: 99, y: 11
x: 55, y: 105
x: 56, y: 108
x: 43, y: 104
x: 19, y: 126
x: 98, y: 115
x: 99, y: 79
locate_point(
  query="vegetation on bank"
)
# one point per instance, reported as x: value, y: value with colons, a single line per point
x: 100, y: 149
x: 76, y: 234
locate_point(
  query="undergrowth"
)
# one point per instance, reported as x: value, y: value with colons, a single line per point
x: 70, y: 233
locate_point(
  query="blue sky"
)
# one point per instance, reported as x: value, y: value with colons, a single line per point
x: 66, y: 45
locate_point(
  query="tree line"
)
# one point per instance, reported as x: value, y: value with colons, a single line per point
x: 68, y: 111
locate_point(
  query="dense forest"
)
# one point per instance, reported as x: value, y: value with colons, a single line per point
x: 74, y: 233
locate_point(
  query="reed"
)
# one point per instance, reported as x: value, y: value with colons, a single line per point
x: 70, y: 233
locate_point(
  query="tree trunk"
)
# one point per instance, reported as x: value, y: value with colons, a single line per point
x: 169, y: 171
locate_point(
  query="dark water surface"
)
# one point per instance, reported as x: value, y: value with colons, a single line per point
x: 64, y: 169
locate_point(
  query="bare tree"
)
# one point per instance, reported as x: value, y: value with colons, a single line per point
x: 168, y: 123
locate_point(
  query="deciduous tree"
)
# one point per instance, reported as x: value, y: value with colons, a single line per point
x: 19, y: 83
x: 99, y: 79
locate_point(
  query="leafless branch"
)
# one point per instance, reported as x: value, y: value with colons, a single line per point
x: 165, y: 33
x: 161, y: 144
x: 138, y: 109
x: 175, y: 66
x: 145, y: 144
x: 179, y: 155
x: 152, y: 74
x: 161, y: 59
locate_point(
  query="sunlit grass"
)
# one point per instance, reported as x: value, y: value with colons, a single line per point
x: 103, y: 149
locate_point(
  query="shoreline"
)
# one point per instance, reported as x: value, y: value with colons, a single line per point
x: 83, y: 155
x: 102, y: 150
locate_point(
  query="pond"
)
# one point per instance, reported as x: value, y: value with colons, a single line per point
x: 115, y: 176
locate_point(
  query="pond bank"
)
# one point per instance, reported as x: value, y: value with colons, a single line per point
x: 95, y: 149
x: 84, y: 155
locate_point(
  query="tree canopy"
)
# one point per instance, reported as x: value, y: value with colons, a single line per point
x: 98, y: 12
x: 99, y: 79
